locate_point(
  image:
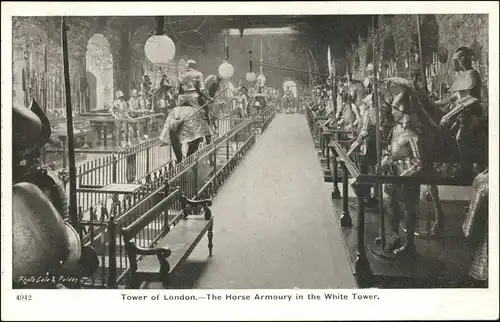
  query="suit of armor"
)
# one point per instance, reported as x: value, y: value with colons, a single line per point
x: 467, y: 84
x: 367, y: 133
x: 475, y: 227
x: 44, y: 245
x: 186, y: 122
x: 190, y: 82
x: 137, y: 106
x: 119, y: 110
x: 403, y: 157
x: 242, y: 105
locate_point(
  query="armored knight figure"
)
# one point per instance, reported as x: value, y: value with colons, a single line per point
x: 466, y: 93
x: 164, y: 95
x: 146, y: 90
x: 289, y: 98
x: 403, y: 158
x: 241, y: 102
x: 136, y: 108
x: 347, y: 114
x: 191, y: 82
x: 119, y: 111
x: 259, y: 99
x: 31, y: 131
x: 45, y: 246
x: 475, y: 228
x: 366, y: 140
x: 368, y: 82
x: 186, y: 123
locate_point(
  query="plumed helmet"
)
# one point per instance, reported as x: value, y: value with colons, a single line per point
x: 119, y: 94
x: 42, y: 242
x: 191, y: 64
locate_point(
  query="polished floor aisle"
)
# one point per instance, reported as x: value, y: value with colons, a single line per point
x: 273, y: 222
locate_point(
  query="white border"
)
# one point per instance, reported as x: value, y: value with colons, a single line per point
x: 107, y: 304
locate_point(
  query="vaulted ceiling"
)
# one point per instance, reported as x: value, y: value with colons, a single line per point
x: 324, y: 29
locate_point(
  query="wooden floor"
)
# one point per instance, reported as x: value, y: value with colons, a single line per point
x: 274, y: 227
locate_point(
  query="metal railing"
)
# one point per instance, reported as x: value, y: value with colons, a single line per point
x: 362, y: 183
x: 134, y: 164
x: 201, y: 175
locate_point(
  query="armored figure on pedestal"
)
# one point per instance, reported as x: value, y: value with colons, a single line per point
x: 403, y: 157
x: 475, y: 228
x: 461, y: 119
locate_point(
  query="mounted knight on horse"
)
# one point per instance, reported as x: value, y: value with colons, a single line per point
x: 189, y: 122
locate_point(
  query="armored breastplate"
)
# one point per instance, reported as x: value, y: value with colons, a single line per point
x: 134, y: 103
x: 120, y: 108
x: 190, y: 79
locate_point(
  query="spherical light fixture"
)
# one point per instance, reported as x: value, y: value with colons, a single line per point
x: 251, y: 77
x: 261, y: 79
x: 160, y: 50
x: 226, y: 70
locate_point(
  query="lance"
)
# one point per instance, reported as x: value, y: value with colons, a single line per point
x: 421, y: 60
x: 302, y: 71
x: 309, y: 76
x: 378, y: 129
x: 331, y: 66
x: 69, y: 120
x: 198, y: 110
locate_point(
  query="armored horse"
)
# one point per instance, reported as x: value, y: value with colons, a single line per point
x: 189, y: 122
x: 434, y: 138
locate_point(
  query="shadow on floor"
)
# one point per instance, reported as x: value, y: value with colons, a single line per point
x: 187, y: 276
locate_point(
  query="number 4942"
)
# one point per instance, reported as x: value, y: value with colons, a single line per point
x: 23, y: 297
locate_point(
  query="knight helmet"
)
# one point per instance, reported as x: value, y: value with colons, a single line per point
x: 191, y: 64
x: 402, y: 106
x: 462, y: 57
x: 31, y: 129
x: 119, y: 94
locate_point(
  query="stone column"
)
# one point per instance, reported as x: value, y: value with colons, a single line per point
x: 125, y: 61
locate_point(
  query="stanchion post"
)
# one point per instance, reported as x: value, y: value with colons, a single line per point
x: 345, y: 220
x: 327, y: 152
x: 114, y: 171
x: 335, y: 173
x: 166, y: 192
x: 112, y: 252
x: 363, y: 272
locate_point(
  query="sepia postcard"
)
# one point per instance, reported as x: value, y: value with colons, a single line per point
x: 250, y: 161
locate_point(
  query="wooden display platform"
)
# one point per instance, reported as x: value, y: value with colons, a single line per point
x: 440, y: 262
